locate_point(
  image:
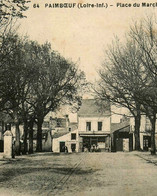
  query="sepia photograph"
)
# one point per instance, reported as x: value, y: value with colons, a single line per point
x: 78, y: 98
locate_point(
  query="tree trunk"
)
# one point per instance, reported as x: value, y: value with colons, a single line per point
x: 25, y: 150
x: 2, y: 130
x: 137, y: 131
x: 17, y: 142
x: 113, y: 143
x: 39, y: 135
x: 3, y: 127
x: 153, y: 146
x: 31, y: 136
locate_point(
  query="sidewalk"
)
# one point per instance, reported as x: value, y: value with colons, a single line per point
x: 146, y: 156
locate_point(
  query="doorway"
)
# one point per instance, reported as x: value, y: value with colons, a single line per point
x: 146, y: 142
x: 126, y: 145
x: 62, y: 146
x: 73, y: 147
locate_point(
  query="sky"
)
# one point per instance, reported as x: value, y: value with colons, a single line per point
x: 81, y: 35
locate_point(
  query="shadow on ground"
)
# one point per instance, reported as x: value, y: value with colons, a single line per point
x: 9, y: 174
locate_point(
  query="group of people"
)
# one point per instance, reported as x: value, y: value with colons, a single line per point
x: 91, y: 148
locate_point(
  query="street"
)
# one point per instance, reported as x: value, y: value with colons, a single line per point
x: 94, y: 174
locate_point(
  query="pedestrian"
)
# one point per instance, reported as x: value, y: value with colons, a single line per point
x: 66, y: 149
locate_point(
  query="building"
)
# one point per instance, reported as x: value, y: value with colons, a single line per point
x: 94, y: 126
x: 66, y: 142
x: 122, y: 136
x: 145, y: 132
x: 64, y: 135
x: 46, y: 140
x: 90, y: 133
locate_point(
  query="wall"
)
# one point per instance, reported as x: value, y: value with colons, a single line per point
x: 47, y: 143
x: 13, y: 130
x: 67, y: 139
x: 145, y: 125
x: 94, y: 123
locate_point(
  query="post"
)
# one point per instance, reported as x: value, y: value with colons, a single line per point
x: 8, y: 151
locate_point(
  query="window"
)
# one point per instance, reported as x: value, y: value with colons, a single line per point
x: 73, y: 136
x: 148, y: 125
x: 99, y: 126
x: 69, y: 129
x: 88, y: 126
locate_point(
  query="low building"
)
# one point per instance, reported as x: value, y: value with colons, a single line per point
x: 122, y: 136
x: 65, y: 136
x: 66, y: 141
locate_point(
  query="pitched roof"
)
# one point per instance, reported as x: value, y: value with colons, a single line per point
x: 90, y: 107
x: 59, y: 134
x: 120, y: 126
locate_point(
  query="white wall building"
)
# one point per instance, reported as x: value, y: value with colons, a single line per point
x: 145, y: 132
x: 66, y: 143
x: 94, y: 126
x: 93, y: 132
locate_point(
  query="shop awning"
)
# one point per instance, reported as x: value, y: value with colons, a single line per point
x: 93, y: 135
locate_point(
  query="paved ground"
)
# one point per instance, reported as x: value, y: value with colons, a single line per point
x: 85, y: 174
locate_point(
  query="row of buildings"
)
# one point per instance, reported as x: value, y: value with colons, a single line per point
x: 93, y: 131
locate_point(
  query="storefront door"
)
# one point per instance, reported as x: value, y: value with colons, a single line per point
x: 126, y: 145
x: 146, y: 143
x: 62, y: 146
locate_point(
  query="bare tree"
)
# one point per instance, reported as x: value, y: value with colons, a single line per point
x: 129, y: 75
x: 145, y: 36
x: 121, y: 80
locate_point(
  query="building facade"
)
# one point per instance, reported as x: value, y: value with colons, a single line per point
x: 92, y: 132
x: 122, y: 136
x: 145, y: 132
x: 68, y: 142
x: 94, y: 126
